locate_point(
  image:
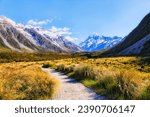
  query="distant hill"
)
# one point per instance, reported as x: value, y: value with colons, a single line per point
x: 136, y: 43
x: 23, y: 38
x: 96, y: 42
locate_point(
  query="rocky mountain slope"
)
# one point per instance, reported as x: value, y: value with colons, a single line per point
x: 136, y: 43
x: 25, y: 38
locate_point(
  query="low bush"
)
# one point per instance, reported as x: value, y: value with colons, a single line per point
x: 46, y: 65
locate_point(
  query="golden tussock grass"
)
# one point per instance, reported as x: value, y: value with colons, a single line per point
x: 26, y: 81
x: 116, y: 78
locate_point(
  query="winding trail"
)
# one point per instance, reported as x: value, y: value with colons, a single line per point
x: 70, y: 89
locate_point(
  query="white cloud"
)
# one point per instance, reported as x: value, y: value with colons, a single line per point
x: 60, y: 31
x: 73, y: 39
x: 53, y: 31
x: 63, y: 32
x: 39, y: 23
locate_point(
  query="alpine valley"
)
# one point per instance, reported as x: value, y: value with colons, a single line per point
x: 37, y: 64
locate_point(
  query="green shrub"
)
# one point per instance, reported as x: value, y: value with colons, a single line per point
x: 46, y: 65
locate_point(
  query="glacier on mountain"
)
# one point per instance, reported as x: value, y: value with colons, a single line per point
x: 96, y: 42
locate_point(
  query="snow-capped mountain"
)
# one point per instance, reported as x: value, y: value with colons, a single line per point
x: 21, y: 37
x: 96, y: 42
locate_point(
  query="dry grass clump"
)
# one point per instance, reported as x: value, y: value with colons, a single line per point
x: 146, y: 93
x: 61, y: 67
x: 128, y: 82
x: 26, y: 81
x: 65, y: 68
x: 82, y: 72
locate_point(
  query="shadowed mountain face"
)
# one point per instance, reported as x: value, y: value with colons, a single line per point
x: 136, y: 43
x: 13, y: 39
x: 23, y: 38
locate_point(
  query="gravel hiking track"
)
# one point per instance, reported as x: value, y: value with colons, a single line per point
x: 71, y: 89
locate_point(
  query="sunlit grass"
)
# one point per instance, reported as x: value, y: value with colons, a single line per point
x: 116, y: 78
x: 26, y: 81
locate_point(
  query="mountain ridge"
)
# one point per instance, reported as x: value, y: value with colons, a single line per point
x: 136, y: 43
x: 22, y: 38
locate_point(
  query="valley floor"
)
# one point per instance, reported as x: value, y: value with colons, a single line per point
x: 114, y: 78
x: 70, y: 89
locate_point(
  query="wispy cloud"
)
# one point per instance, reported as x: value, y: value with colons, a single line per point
x: 63, y: 32
x: 39, y: 23
x: 60, y: 31
x: 54, y: 31
x: 70, y: 38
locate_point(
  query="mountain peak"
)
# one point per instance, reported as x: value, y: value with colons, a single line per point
x: 94, y: 36
x: 97, y: 42
x: 4, y: 19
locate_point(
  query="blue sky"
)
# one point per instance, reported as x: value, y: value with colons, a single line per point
x: 82, y: 17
